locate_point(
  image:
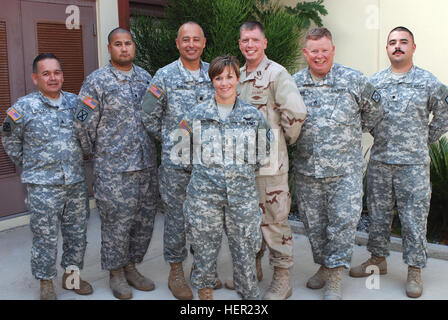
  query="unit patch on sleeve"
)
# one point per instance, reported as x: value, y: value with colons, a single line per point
x: 183, y: 124
x: 155, y: 91
x: 14, y: 114
x: 376, y: 96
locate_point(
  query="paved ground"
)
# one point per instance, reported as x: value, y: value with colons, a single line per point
x: 16, y: 281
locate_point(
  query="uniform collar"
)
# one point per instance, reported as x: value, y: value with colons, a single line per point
x: 328, y: 80
x: 121, y: 76
x: 186, y: 75
x: 257, y: 73
x: 50, y: 103
x: 211, y: 112
x: 408, y: 78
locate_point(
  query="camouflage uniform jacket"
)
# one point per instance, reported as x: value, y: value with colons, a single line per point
x: 403, y: 135
x: 271, y: 89
x: 108, y: 121
x: 173, y: 93
x: 339, y: 107
x: 219, y: 159
x: 39, y: 138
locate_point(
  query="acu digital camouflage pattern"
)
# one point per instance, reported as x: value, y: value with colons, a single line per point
x: 48, y: 205
x: 178, y: 92
x: 399, y: 167
x: 222, y: 195
x: 109, y: 126
x: 113, y: 131
x: 273, y: 92
x: 329, y: 161
x: 408, y: 186
x: 41, y: 141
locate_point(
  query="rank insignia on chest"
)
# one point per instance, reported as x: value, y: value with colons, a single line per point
x: 155, y: 91
x: 90, y: 102
x: 183, y: 124
x: 376, y: 96
x: 14, y: 114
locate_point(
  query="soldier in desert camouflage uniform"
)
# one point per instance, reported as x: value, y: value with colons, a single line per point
x: 222, y: 194
x: 269, y: 87
x: 109, y: 127
x: 38, y: 136
x: 175, y: 90
x: 328, y: 163
x: 399, y: 162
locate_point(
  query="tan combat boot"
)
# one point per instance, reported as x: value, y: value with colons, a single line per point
x: 47, y: 290
x: 229, y: 284
x: 333, y: 286
x: 177, y: 283
x: 317, y: 281
x: 84, y: 287
x: 280, y: 287
x: 414, y: 285
x: 119, y: 285
x: 136, y: 279
x: 205, y: 294
x: 360, y: 271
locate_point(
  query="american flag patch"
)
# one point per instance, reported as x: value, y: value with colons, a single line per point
x: 183, y: 124
x: 14, y: 114
x: 155, y: 91
x: 90, y: 102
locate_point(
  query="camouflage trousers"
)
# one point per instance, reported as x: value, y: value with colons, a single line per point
x: 207, y: 215
x: 330, y: 209
x: 127, y: 203
x: 49, y: 205
x: 409, y: 187
x: 275, y: 202
x: 173, y: 185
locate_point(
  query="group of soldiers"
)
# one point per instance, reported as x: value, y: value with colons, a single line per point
x: 121, y: 110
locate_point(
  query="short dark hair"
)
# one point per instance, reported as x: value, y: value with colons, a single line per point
x: 44, y: 56
x: 401, y: 28
x: 318, y: 33
x: 218, y: 65
x: 251, y: 25
x: 118, y: 30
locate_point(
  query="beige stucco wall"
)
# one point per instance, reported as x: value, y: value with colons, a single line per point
x: 107, y: 19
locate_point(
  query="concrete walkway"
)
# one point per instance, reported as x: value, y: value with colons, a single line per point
x: 16, y: 281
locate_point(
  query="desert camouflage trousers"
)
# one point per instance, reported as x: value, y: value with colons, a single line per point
x: 407, y: 186
x: 275, y: 202
x: 330, y: 209
x: 49, y: 205
x: 127, y: 203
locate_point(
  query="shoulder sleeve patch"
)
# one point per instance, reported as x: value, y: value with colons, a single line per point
x: 14, y: 114
x: 446, y: 100
x: 183, y: 124
x: 155, y: 91
x: 376, y: 96
x: 92, y: 104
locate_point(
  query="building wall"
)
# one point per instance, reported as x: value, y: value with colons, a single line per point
x: 107, y: 19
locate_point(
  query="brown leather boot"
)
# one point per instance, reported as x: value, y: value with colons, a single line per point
x: 280, y: 287
x: 361, y: 270
x: 414, y: 285
x: 205, y: 294
x: 84, y: 287
x: 229, y: 284
x: 177, y: 283
x: 47, y: 290
x: 318, y: 280
x: 136, y: 279
x: 120, y: 287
